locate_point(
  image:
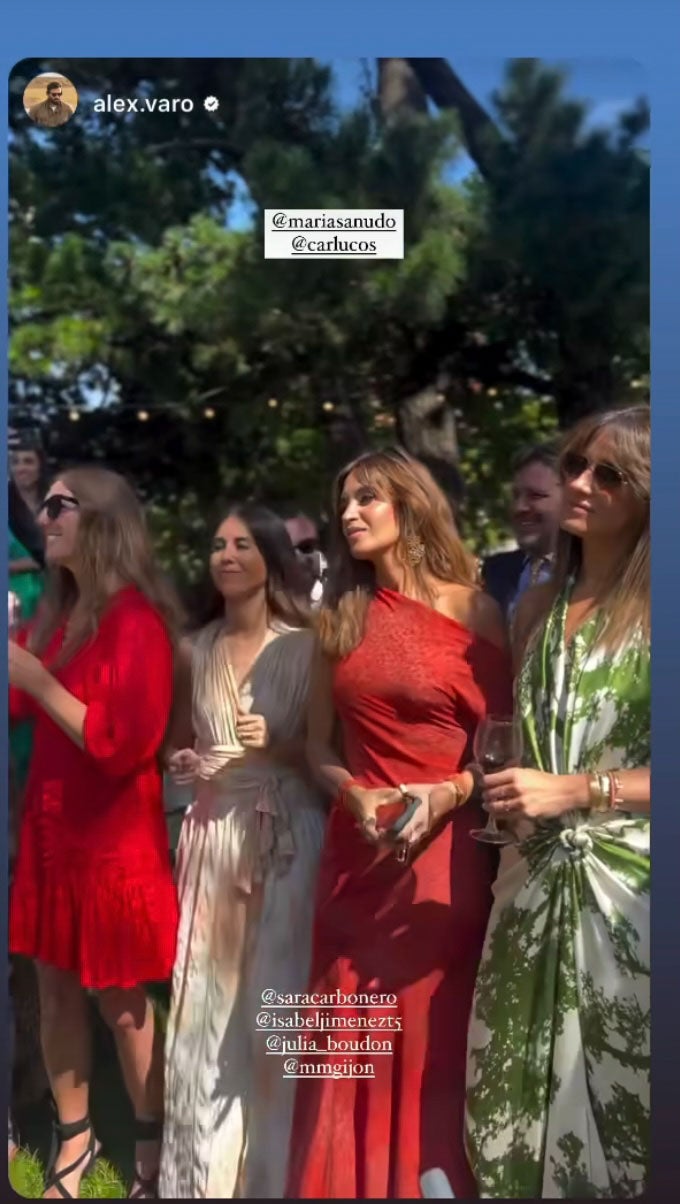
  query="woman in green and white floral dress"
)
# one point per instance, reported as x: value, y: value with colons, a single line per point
x: 558, y: 1051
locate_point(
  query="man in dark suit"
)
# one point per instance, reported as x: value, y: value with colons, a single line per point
x: 535, y: 516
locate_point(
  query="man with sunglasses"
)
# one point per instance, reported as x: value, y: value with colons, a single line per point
x: 304, y: 535
x: 535, y: 517
x: 54, y: 110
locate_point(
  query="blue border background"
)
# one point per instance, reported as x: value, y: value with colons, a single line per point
x: 565, y: 29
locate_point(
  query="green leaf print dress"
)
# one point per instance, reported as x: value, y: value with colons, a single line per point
x: 558, y: 1050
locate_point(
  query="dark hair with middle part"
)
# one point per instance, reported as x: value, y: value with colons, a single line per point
x: 285, y: 585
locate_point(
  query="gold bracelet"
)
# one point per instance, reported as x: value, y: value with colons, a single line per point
x: 616, y: 799
x: 598, y: 792
x: 457, y: 792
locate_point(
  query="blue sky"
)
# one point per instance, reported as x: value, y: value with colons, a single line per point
x: 607, y: 86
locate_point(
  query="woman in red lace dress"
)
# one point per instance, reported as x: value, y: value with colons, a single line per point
x: 412, y: 656
x: 93, y: 900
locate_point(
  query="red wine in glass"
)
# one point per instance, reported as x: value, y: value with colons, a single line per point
x: 497, y: 744
x: 491, y: 764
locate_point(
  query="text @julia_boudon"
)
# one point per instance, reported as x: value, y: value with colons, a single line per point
x: 331, y: 1036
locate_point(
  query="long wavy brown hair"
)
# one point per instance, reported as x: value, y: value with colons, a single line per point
x: 113, y: 548
x: 624, y: 598
x: 423, y: 514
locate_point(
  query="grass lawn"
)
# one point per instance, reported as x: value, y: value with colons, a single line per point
x: 113, y: 1121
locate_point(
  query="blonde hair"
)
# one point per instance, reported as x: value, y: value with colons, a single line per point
x: 624, y: 598
x: 423, y: 514
x: 113, y: 545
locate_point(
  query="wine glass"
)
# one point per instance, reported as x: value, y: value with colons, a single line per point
x: 497, y: 745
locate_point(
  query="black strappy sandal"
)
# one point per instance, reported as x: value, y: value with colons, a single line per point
x: 146, y: 1130
x: 61, y: 1133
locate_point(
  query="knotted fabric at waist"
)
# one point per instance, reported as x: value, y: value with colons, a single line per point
x: 574, y: 837
x: 268, y: 841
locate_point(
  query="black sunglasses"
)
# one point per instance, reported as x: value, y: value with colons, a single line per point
x: 606, y: 476
x: 306, y: 547
x: 56, y: 503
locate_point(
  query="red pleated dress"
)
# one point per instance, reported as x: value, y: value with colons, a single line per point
x: 93, y: 891
x: 409, y: 699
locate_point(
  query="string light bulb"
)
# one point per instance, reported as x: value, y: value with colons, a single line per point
x: 143, y: 415
x: 208, y: 412
x: 328, y: 406
x: 272, y: 403
x: 74, y: 416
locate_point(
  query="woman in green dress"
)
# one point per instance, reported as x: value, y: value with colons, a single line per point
x: 558, y: 1051
x: 28, y: 474
x: 27, y: 490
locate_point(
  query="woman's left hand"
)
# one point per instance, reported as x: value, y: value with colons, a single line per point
x: 531, y: 794
x: 26, y: 672
x: 424, y: 818
x: 252, y: 730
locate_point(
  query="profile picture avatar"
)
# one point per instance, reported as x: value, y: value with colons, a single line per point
x: 50, y: 100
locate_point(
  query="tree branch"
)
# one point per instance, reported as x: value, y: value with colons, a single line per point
x: 184, y: 144
x: 447, y: 91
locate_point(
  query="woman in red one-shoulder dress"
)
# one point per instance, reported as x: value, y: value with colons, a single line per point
x: 412, y: 656
x: 93, y: 900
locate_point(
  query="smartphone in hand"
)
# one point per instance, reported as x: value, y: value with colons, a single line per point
x: 392, y: 818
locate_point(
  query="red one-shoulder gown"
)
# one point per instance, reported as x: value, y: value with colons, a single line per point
x: 93, y: 891
x: 409, y: 699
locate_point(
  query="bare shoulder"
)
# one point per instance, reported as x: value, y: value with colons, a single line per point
x: 476, y: 610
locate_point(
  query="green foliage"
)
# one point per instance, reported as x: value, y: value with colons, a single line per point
x: 490, y: 439
x: 568, y: 225
x: 27, y: 1177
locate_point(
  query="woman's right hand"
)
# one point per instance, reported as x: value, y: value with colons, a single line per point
x: 363, y: 805
x: 183, y: 766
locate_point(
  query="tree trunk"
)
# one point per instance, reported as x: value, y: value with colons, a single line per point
x: 399, y: 92
x: 426, y: 427
x: 440, y: 82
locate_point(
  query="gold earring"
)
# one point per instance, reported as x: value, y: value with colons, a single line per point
x: 415, y: 550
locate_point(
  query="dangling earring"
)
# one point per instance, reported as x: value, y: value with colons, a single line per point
x: 415, y: 550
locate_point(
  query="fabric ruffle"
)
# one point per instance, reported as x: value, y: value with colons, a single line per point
x: 107, y: 928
